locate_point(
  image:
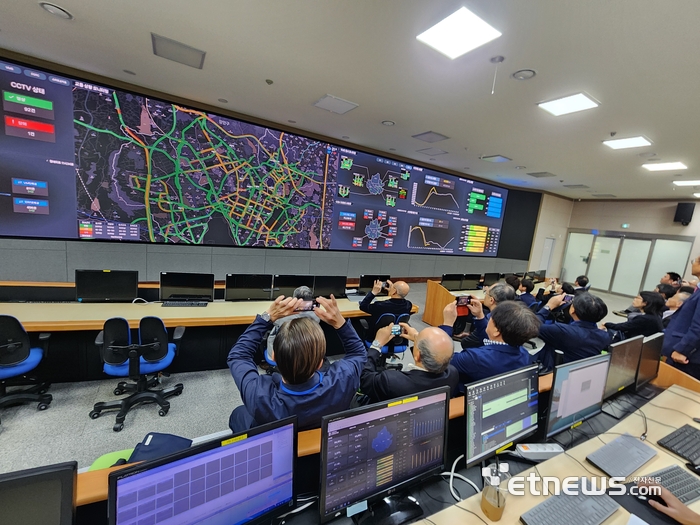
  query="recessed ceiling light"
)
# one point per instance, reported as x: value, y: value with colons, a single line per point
x: 335, y: 104
x: 56, y: 10
x: 128, y: 71
x: 458, y: 34
x: 388, y: 122
x: 223, y: 101
x: 664, y: 166
x: 631, y: 142
x: 524, y: 74
x: 686, y: 182
x: 571, y: 104
x: 177, y: 51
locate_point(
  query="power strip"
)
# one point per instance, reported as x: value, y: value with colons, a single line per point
x: 539, y: 451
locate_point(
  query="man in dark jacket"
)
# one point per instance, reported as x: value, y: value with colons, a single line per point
x: 396, y: 304
x: 580, y: 339
x: 682, y: 337
x: 432, y: 351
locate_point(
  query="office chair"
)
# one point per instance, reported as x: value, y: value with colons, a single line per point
x: 122, y: 358
x: 17, y: 359
x: 397, y: 345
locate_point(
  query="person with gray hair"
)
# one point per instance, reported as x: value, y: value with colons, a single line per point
x: 306, y: 294
x: 396, y: 304
x: 493, y: 296
x: 432, y: 352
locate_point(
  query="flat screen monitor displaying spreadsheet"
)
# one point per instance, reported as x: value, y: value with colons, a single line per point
x: 106, y: 286
x: 500, y: 410
x: 577, y: 392
x: 325, y: 285
x: 372, y: 451
x: 177, y: 286
x: 624, y: 362
x: 39, y: 496
x: 248, y: 478
x: 248, y: 287
x: 650, y: 360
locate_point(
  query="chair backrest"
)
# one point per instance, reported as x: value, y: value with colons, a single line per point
x: 152, y: 332
x: 14, y: 341
x: 116, y: 336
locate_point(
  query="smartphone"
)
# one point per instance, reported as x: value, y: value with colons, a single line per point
x: 464, y: 300
x: 396, y: 329
x: 568, y: 298
x: 306, y: 306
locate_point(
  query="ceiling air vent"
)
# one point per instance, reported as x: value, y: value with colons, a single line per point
x: 541, y: 174
x: 430, y: 136
x: 576, y: 186
x: 177, y: 51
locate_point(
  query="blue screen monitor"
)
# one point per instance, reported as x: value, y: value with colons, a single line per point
x: 247, y: 478
x: 577, y: 392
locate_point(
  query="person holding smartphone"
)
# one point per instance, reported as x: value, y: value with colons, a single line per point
x: 397, y: 303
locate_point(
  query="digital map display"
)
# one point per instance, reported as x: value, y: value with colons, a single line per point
x: 80, y: 160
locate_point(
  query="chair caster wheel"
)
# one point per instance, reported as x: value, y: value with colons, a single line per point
x: 162, y: 412
x: 118, y: 391
x: 42, y: 406
x: 94, y: 414
x: 118, y: 427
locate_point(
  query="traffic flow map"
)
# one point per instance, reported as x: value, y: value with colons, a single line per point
x: 186, y: 176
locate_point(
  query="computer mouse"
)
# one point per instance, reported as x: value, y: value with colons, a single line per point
x: 696, y: 419
x: 652, y: 497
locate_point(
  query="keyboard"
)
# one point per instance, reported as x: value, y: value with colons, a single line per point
x: 555, y: 510
x: 622, y: 456
x: 680, y: 482
x: 185, y: 303
x: 684, y: 442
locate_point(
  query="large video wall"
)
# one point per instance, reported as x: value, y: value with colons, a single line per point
x: 84, y: 161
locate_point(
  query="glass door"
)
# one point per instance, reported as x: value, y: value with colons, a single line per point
x: 578, y: 253
x: 600, y: 268
x: 667, y: 256
x: 630, y: 266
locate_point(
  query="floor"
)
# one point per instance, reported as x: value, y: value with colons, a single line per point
x: 30, y: 438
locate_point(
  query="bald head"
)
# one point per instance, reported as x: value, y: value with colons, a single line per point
x: 434, y: 349
x: 401, y: 288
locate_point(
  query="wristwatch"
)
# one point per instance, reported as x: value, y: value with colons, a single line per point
x: 265, y: 316
x: 376, y: 344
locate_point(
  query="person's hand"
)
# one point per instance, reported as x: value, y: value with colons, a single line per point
x: 476, y: 308
x: 603, y: 327
x: 679, y: 358
x: 449, y: 314
x: 377, y: 288
x: 330, y: 312
x: 282, y: 307
x: 556, y: 301
x: 408, y: 332
x: 383, y: 335
x: 673, y: 508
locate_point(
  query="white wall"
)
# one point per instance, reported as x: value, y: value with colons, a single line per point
x: 553, y: 221
x: 654, y: 217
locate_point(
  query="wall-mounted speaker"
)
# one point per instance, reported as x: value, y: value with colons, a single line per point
x: 684, y: 213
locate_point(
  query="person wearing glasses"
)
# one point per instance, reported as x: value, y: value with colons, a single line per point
x: 493, y: 296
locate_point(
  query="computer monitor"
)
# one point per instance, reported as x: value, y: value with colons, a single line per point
x: 577, y: 392
x: 248, y: 478
x: 624, y: 362
x: 177, y: 286
x: 106, y: 286
x: 471, y: 281
x: 325, y: 285
x: 286, y: 284
x: 248, y: 287
x: 370, y: 452
x: 540, y: 275
x: 650, y: 359
x: 500, y: 411
x: 39, y: 496
x: 452, y: 281
x: 491, y: 278
x: 367, y: 282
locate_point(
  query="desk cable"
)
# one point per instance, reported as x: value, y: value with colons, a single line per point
x: 453, y: 475
x: 140, y: 300
x: 470, y: 512
x: 681, y: 395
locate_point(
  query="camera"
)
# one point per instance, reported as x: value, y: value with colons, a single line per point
x: 306, y: 306
x: 568, y: 298
x: 464, y: 300
x: 396, y: 329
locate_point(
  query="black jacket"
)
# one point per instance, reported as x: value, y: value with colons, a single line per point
x: 644, y: 324
x: 388, y: 384
x: 392, y: 306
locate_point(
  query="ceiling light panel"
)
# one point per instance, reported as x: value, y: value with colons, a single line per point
x: 496, y: 158
x: 430, y: 136
x: 541, y: 174
x: 632, y: 142
x: 571, y: 104
x: 686, y: 182
x: 458, y: 34
x: 335, y: 104
x: 576, y: 186
x: 431, y: 151
x: 664, y: 166
x: 177, y: 51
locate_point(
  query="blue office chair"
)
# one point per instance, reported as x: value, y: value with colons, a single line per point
x: 150, y: 356
x: 17, y: 360
x: 397, y: 345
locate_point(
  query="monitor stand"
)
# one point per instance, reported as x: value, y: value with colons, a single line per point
x: 392, y: 510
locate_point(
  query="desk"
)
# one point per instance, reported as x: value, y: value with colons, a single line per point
x: 562, y: 466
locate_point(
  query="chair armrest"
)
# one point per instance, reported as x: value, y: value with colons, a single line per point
x: 178, y: 333
x: 44, y: 337
x: 44, y: 342
x: 99, y: 340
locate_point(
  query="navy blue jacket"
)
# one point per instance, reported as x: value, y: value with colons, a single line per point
x: 392, y: 306
x: 268, y: 399
x: 527, y: 298
x: 578, y: 340
x: 474, y: 364
x: 683, y: 332
x: 642, y: 324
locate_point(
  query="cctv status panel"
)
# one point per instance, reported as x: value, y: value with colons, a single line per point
x: 390, y: 206
x: 80, y: 160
